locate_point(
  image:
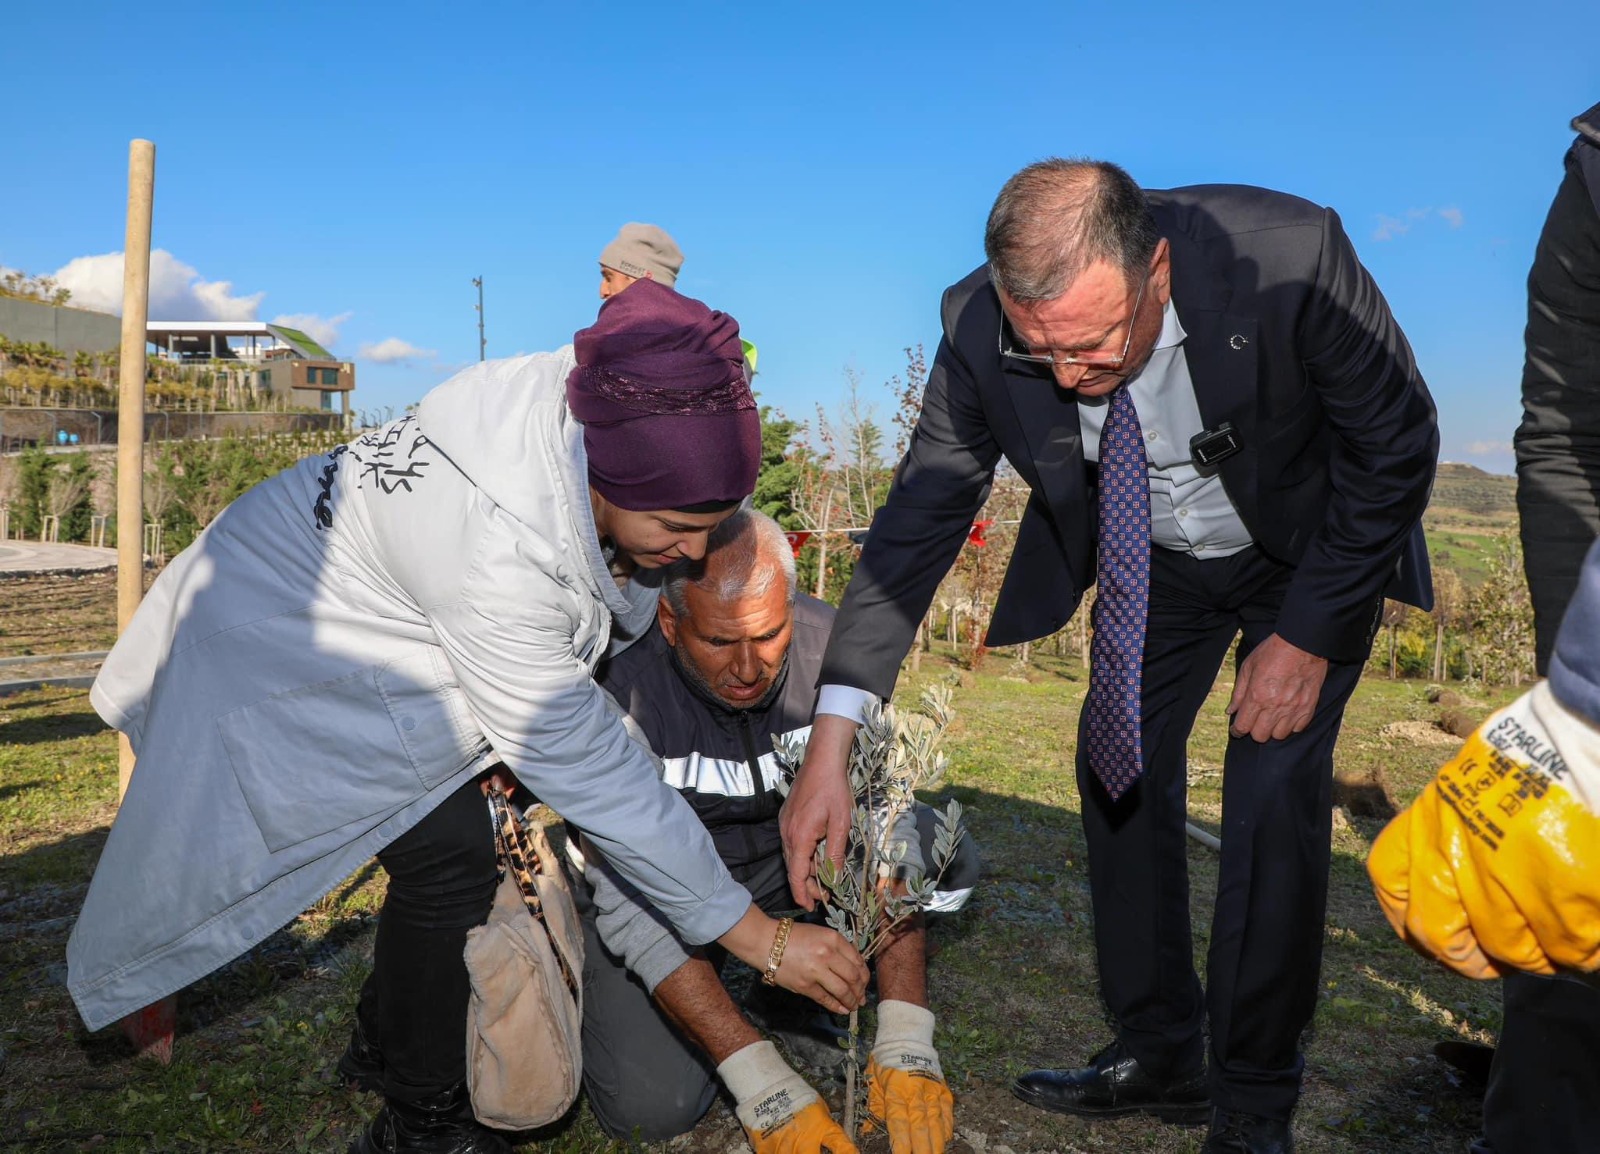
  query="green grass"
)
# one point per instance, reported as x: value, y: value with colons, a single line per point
x: 253, y: 1068
x: 1013, y: 982
x: 1464, y: 550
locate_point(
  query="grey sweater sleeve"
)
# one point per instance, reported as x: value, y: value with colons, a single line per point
x: 629, y: 926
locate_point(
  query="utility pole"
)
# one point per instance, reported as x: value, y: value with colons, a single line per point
x: 482, y: 344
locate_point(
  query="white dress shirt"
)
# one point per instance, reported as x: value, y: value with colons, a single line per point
x: 1190, y: 511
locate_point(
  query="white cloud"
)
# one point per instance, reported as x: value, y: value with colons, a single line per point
x: 394, y: 351
x: 1390, y: 227
x: 177, y: 290
x: 1488, y: 448
x: 323, y: 330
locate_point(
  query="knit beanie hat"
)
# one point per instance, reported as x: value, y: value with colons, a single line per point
x: 643, y: 250
x: 669, y: 421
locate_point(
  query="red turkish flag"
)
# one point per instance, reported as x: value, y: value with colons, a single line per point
x: 975, y: 534
x: 797, y: 541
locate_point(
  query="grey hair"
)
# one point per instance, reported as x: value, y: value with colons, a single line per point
x: 745, y: 554
x: 1057, y: 217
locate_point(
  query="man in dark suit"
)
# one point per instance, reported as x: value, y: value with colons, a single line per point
x: 1224, y: 427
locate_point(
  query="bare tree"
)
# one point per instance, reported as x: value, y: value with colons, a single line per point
x: 841, y: 475
x: 1449, y: 599
x: 8, y: 490
x: 159, y: 494
x: 907, y: 393
x: 1394, y: 616
x: 66, y: 490
x: 205, y: 503
x: 853, y: 443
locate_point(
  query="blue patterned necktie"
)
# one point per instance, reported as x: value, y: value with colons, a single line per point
x: 1122, y: 600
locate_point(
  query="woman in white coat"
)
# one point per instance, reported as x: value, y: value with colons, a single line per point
x: 328, y: 671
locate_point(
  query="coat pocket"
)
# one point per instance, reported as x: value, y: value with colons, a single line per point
x: 429, y: 715
x: 322, y: 756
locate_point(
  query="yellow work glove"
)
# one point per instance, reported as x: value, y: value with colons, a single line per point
x: 906, y: 1092
x: 779, y: 1112
x: 1496, y: 865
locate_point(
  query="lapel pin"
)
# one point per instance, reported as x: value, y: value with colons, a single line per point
x: 1237, y: 341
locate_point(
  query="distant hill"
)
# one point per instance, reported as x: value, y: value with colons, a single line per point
x: 1471, y: 511
x: 1465, y: 494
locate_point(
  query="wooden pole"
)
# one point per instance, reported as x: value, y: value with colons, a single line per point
x: 151, y: 1029
x: 130, y: 403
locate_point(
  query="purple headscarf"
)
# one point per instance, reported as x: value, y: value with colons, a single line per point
x: 669, y: 421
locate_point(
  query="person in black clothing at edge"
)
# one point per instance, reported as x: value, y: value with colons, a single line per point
x: 1544, y: 1084
x: 731, y: 663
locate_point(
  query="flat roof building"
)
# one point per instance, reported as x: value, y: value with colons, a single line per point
x: 284, y: 361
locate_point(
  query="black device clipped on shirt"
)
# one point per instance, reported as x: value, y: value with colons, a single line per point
x: 1211, y: 446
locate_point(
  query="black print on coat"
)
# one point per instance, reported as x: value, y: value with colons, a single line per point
x: 323, y: 509
x: 391, y: 457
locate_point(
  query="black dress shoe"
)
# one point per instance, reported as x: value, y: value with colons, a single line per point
x: 1236, y: 1133
x: 441, y: 1125
x: 1114, y: 1083
x: 1469, y: 1059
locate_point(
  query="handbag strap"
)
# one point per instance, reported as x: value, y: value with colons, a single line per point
x: 515, y: 856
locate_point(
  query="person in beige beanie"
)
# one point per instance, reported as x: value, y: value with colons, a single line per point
x: 639, y: 252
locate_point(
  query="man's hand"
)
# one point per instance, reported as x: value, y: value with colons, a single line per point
x: 779, y: 1112
x: 818, y: 806
x: 906, y: 1091
x: 502, y: 779
x: 1276, y: 691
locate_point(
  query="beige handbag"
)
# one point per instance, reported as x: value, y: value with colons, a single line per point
x: 525, y: 1016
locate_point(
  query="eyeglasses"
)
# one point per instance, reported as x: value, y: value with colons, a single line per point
x: 1093, y: 359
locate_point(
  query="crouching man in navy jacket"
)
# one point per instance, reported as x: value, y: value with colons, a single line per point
x: 731, y: 663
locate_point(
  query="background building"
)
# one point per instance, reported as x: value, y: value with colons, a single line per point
x: 61, y: 327
x: 261, y: 357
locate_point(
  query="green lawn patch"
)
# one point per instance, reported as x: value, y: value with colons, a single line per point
x: 1013, y: 980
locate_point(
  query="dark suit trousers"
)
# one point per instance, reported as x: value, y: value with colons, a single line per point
x: 1267, y: 926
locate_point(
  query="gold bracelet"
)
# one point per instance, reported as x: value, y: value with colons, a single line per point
x: 775, y: 958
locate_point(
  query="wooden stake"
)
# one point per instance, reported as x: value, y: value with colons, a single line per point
x: 151, y: 1029
x: 130, y: 403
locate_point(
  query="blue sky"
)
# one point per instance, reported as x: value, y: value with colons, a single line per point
x: 826, y: 167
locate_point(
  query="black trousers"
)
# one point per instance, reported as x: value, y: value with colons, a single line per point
x: 413, y: 1006
x: 1267, y: 926
x: 1544, y: 1086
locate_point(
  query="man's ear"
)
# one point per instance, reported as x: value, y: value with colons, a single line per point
x: 668, y: 620
x: 1163, y: 271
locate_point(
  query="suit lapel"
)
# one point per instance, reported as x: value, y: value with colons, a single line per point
x: 1048, y: 419
x: 1047, y: 445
